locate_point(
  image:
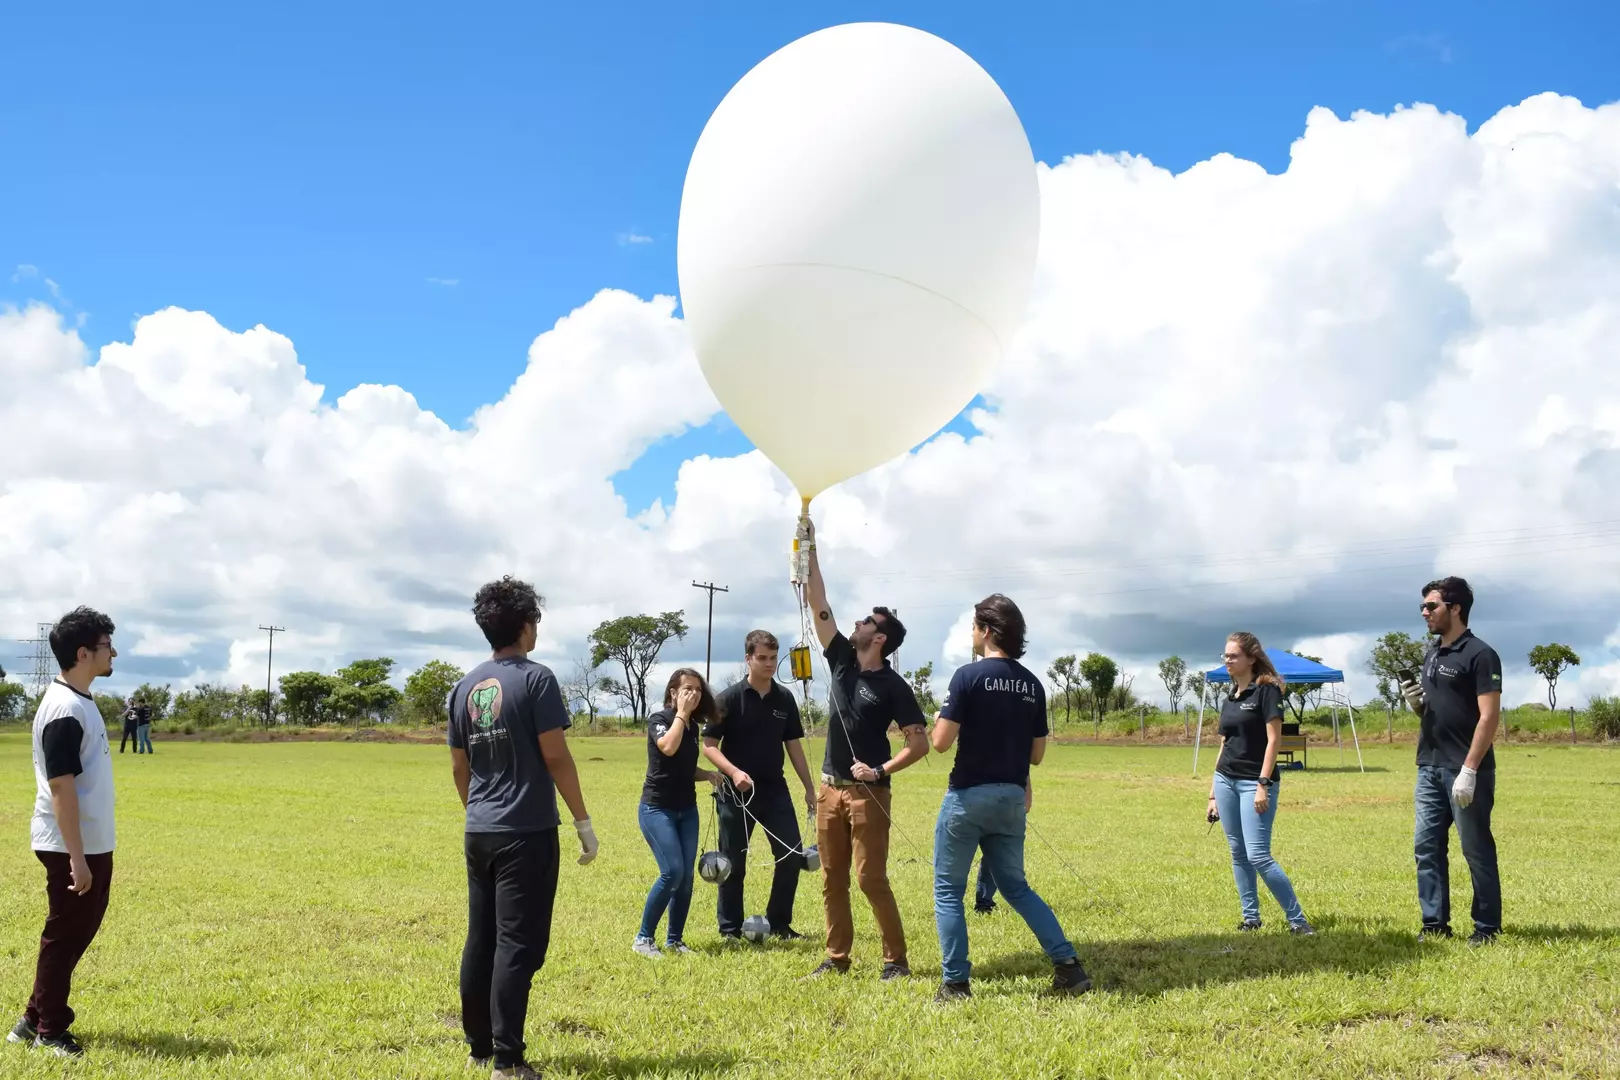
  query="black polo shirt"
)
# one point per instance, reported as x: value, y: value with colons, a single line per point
x: 1243, y: 725
x: 753, y: 728
x: 864, y: 704
x: 1454, y: 677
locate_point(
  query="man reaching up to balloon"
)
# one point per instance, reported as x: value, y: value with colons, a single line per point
x: 853, y: 806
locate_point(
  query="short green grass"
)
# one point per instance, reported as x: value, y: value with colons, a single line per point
x: 296, y: 910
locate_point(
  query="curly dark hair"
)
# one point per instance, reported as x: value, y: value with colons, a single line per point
x: 503, y: 608
x: 81, y: 628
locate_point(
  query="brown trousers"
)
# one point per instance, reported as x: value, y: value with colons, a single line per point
x: 71, y: 923
x: 852, y: 824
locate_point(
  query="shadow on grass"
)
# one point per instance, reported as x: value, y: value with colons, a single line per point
x: 1334, y: 769
x: 614, y: 1065
x: 1143, y: 967
x: 1578, y: 932
x: 158, y: 1044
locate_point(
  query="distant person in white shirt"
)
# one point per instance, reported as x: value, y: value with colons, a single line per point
x: 72, y: 823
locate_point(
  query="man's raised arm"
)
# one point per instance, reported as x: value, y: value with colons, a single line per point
x: 820, y: 611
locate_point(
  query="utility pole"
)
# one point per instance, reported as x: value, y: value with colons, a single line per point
x: 708, y: 650
x: 268, y: 660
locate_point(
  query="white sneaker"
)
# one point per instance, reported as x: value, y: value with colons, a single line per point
x: 646, y: 947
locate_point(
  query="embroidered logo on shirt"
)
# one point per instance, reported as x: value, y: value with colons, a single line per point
x: 867, y: 695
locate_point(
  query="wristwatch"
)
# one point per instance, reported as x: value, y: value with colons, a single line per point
x: 881, y: 774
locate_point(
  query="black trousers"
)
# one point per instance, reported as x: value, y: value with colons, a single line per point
x: 773, y: 806
x: 71, y: 923
x: 129, y: 737
x: 511, y: 884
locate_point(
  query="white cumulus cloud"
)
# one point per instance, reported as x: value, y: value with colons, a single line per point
x: 1239, y: 401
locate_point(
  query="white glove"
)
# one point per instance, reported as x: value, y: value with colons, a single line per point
x: 588, y: 844
x: 1463, y: 790
x: 1413, y: 693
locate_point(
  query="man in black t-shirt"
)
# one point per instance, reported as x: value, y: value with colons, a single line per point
x: 759, y: 721
x: 853, y: 807
x: 1460, y: 703
x: 510, y: 761
x: 997, y: 709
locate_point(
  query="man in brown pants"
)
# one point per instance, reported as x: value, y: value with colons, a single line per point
x: 852, y: 807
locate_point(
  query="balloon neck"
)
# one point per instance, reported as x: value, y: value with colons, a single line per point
x: 804, y: 507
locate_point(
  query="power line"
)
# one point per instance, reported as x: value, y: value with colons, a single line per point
x: 708, y: 650
x: 268, y: 660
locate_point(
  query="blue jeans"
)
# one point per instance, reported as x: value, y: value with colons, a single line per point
x: 143, y: 738
x: 984, y: 893
x: 990, y: 816
x: 1436, y: 811
x: 1248, y: 834
x: 673, y: 837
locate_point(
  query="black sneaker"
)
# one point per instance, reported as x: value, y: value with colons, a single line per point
x: 787, y: 934
x: 828, y: 967
x: 1248, y: 926
x: 729, y: 938
x: 953, y: 992
x: 485, y: 1062
x: 895, y: 971
x: 1434, y: 933
x: 63, y: 1045
x: 1070, y: 978
x: 984, y: 909
x: 24, y: 1032
x: 1302, y: 929
x: 1481, y: 937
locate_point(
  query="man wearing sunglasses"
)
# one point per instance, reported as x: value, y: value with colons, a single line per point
x: 1460, y: 705
x: 853, y: 807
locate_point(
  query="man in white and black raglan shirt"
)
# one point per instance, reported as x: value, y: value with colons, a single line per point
x: 1460, y: 702
x: 72, y: 828
x: 510, y: 761
x: 997, y: 709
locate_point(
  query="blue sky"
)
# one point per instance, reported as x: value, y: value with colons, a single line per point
x: 331, y: 170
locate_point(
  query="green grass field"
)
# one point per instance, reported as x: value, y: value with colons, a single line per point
x: 297, y: 910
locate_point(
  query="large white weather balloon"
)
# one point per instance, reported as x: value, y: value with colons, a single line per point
x: 857, y: 239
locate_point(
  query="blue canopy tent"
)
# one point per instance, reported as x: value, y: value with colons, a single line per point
x: 1294, y: 670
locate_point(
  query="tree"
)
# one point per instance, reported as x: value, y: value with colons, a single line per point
x: 1196, y: 685
x: 305, y: 695
x: 1391, y: 653
x: 1099, y: 672
x: 583, y: 688
x: 427, y: 687
x: 156, y: 698
x: 13, y: 699
x: 633, y: 642
x: 1551, y: 661
x: 1299, y: 696
x: 1173, y: 673
x: 111, y: 707
x: 364, y: 690
x: 920, y: 686
x: 1067, y: 677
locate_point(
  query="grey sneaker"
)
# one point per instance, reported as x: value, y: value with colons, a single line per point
x: 516, y: 1072
x: 644, y: 947
x: 63, y: 1045
x: 1248, y: 926
x: 895, y: 971
x: 953, y: 992
x: 1302, y: 929
x: 827, y: 968
x: 24, y: 1032
x: 678, y: 948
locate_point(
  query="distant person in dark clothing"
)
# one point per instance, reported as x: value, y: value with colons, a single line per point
x: 1460, y: 702
x: 143, y: 728
x: 132, y: 722
x: 669, y: 813
x: 72, y: 828
x: 758, y: 723
x: 510, y: 760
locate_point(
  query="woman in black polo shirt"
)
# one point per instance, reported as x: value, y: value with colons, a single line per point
x: 669, y: 813
x: 1244, y: 792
